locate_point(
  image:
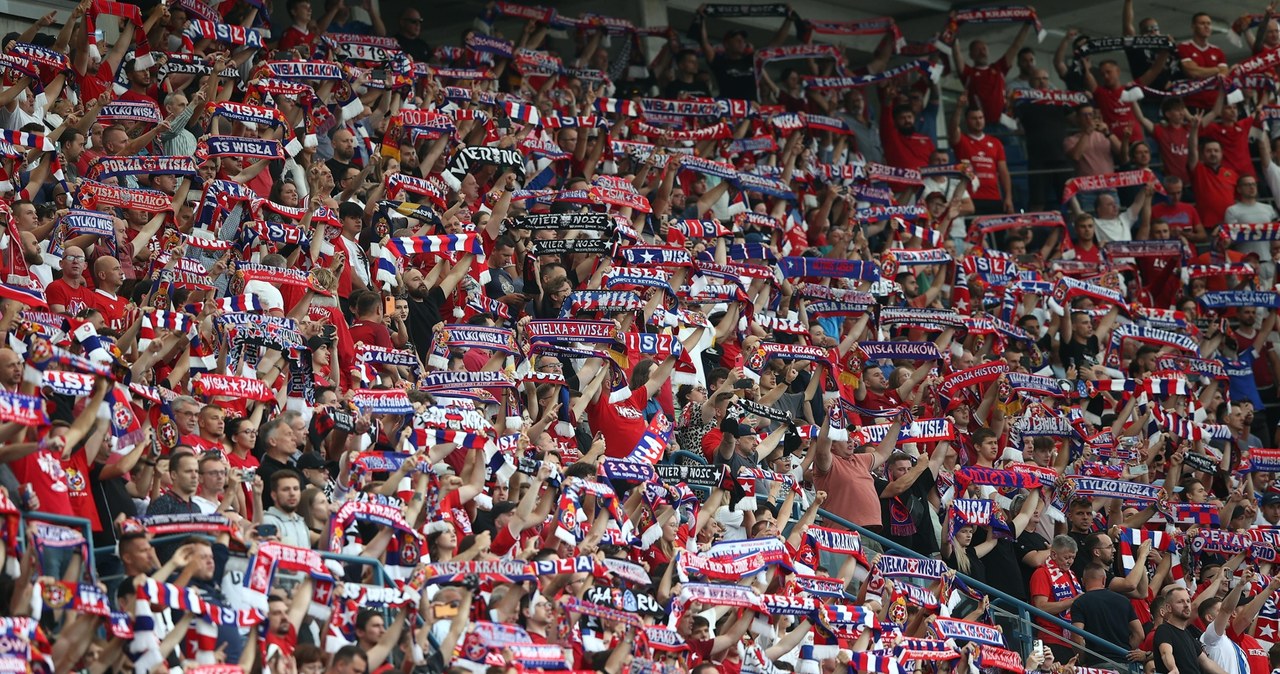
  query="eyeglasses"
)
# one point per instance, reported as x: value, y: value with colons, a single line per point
x: 73, y: 258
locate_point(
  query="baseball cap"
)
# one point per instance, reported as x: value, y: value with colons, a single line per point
x: 311, y: 461
x: 1271, y: 499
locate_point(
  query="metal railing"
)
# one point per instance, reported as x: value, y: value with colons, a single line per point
x: 1007, y: 605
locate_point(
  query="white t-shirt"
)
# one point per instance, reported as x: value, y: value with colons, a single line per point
x: 1256, y: 212
x: 1224, y: 651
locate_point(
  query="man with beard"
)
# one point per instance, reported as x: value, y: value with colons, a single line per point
x: 286, y: 493
x: 344, y: 151
x: 426, y: 300
x: 1176, y: 650
x: 1099, y: 549
x: 904, y: 147
x: 285, y: 615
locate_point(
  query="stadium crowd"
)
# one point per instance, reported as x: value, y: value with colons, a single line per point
x: 329, y: 350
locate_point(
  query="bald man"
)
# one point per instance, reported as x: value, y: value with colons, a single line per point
x: 10, y: 369
x: 108, y: 277
x: 69, y: 294
x: 344, y: 151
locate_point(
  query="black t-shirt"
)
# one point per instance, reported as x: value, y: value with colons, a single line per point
x: 339, y: 170
x: 1104, y: 614
x: 698, y: 87
x: 423, y: 316
x: 1046, y: 129
x: 736, y: 77
x: 911, y: 510
x: 1074, y: 78
x: 1186, y: 649
x: 500, y: 283
x: 1074, y: 353
x: 112, y: 498
x: 977, y: 569
x: 1026, y: 544
x: 267, y: 466
x: 1141, y: 60
x: 1004, y: 569
x: 419, y: 50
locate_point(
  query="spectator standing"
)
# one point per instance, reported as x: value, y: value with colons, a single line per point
x: 984, y: 80
x: 1104, y: 613
x: 986, y: 154
x: 1201, y: 60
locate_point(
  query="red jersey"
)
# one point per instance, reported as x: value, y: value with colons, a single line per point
x: 1172, y: 143
x: 61, y: 292
x: 294, y: 37
x: 114, y: 309
x: 80, y: 490
x: 1235, y: 144
x: 1215, y: 192
x: 43, y: 471
x: 1254, y: 653
x: 910, y: 150
x: 1207, y: 56
x: 1116, y: 113
x: 1180, y: 216
x: 622, y: 423
x: 985, y: 84
x: 1159, y: 278
x: 985, y: 154
x: 372, y: 334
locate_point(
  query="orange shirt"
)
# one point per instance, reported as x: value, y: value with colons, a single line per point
x: 851, y: 491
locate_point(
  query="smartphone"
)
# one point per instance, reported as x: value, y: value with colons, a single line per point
x: 267, y: 530
x: 389, y: 305
x: 745, y: 382
x: 737, y: 361
x: 287, y: 55
x: 1140, y: 469
x: 249, y: 474
x: 355, y: 3
x: 444, y: 611
x: 1038, y: 646
x: 378, y: 75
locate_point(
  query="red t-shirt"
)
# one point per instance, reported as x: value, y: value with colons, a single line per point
x: 1088, y: 254
x: 622, y: 423
x: 152, y: 95
x: 1235, y: 144
x: 286, y: 643
x: 985, y: 84
x: 114, y: 309
x: 43, y: 471
x: 1172, y: 143
x: 1116, y: 113
x: 373, y: 334
x: 903, y: 150
x: 294, y: 37
x: 249, y: 461
x: 1215, y: 192
x: 1208, y: 56
x: 74, y: 299
x: 1254, y: 653
x: 1041, y: 587
x: 1180, y: 216
x: 1160, y: 279
x: 985, y: 154
x: 80, y: 491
